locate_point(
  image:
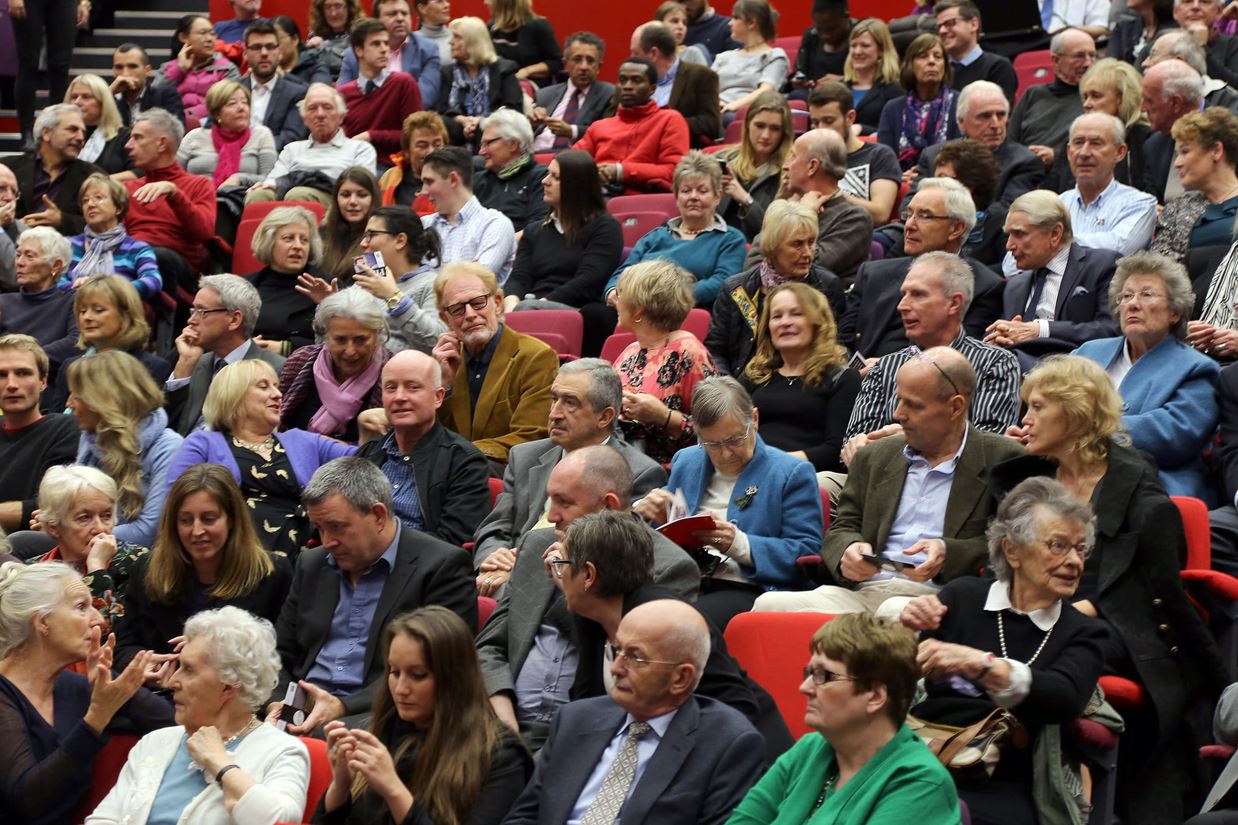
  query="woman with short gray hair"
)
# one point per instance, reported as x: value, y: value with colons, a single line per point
x: 511, y: 180
x: 288, y: 244
x: 1168, y: 389
x: 764, y: 504
x: 325, y: 385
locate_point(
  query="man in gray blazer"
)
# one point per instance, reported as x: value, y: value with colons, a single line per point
x: 221, y: 323
x: 694, y: 766
x: 585, y: 400
x: 527, y: 656
x: 561, y: 120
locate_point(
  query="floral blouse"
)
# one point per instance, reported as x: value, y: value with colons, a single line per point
x: 669, y: 373
x: 107, y: 587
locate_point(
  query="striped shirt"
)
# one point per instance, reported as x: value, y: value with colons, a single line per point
x: 994, y: 406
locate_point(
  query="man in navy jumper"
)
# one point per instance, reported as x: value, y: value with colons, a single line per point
x: 707, y: 28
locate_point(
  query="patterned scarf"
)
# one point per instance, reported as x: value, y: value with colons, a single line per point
x: 470, y: 95
x: 925, y: 122
x: 98, y: 255
x: 770, y: 279
x: 341, y: 401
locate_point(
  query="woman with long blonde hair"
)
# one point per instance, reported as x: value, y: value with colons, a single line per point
x: 432, y: 730
x: 871, y: 71
x: 754, y: 168
x: 106, y: 133
x: 480, y: 82
x: 799, y: 378
x: 119, y: 410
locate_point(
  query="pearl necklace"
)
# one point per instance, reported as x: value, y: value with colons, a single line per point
x: 1001, y: 639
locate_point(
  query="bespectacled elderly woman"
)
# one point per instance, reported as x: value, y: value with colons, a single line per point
x: 510, y: 181
x: 1015, y: 643
x: 105, y: 248
x: 288, y: 245
x: 859, y: 681
x: 1168, y: 389
x: 220, y: 765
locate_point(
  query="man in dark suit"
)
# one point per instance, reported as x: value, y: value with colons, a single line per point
x: 563, y: 112
x: 625, y: 757
x: 694, y: 90
x: 527, y: 649
x: 939, y: 218
x: 1170, y: 90
x: 1060, y: 296
x: 983, y: 114
x: 958, y: 26
x: 138, y: 87
x: 49, y: 176
x: 585, y: 399
x: 368, y: 569
x: 273, y: 97
x: 220, y: 332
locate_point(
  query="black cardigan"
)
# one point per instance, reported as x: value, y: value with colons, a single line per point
x: 526, y: 45
x: 549, y: 268
x: 868, y: 111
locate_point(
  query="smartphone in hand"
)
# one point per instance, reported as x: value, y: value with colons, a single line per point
x: 374, y: 260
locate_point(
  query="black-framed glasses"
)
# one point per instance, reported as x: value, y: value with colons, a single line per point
x: 920, y: 356
x: 368, y: 235
x: 1060, y: 547
x: 635, y: 662
x: 478, y: 304
x: 199, y: 312
x: 925, y: 215
x: 820, y: 676
x: 556, y: 566
x: 490, y: 141
x: 728, y: 443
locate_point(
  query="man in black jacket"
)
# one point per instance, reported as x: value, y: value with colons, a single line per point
x: 135, y: 88
x: 958, y: 26
x: 273, y: 96
x: 49, y: 177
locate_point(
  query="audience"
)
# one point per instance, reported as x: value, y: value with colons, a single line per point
x: 708, y: 29
x: 10, y: 229
x: 563, y: 112
x: 379, y: 98
x: 306, y: 65
x: 39, y: 308
x: 476, y: 83
x: 137, y: 86
x: 273, y: 96
x: 469, y: 232
x: 329, y: 24
x: 1113, y: 88
x: 525, y: 38
x: 511, y: 180
x: 871, y: 72
x: 1170, y: 90
x: 231, y: 149
x: 926, y: 115
x: 106, y: 133
x: 824, y: 45
x: 757, y: 65
x: 59, y: 134
x: 232, y: 31
x: 675, y: 15
x: 353, y: 201
x: 195, y: 67
x: 105, y: 248
x: 972, y: 164
x: 434, y: 16
x: 286, y: 242
x: 423, y: 132
x: 753, y: 172
x: 1045, y: 111
x: 411, y: 53
x: 687, y: 88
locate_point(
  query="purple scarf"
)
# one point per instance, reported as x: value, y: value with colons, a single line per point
x: 340, y: 401
x: 770, y: 280
x: 925, y: 122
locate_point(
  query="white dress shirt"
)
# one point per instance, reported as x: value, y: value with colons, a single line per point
x: 330, y: 158
x: 260, y: 100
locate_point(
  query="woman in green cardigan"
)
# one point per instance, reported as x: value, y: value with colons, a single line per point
x: 866, y: 767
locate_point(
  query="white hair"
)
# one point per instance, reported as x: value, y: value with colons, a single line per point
x: 971, y: 89
x: 62, y: 485
x: 29, y: 592
x: 1115, y: 125
x: 340, y: 106
x: 1179, y: 79
x: 511, y: 125
x: 959, y: 203
x: 241, y: 648
x: 55, y: 246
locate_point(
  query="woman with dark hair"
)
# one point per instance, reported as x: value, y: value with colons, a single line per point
x: 305, y: 64
x: 206, y: 555
x: 972, y: 164
x: 329, y: 23
x: 524, y: 37
x: 756, y: 66
x: 1132, y: 35
x: 353, y: 201
x: 753, y: 170
x: 195, y: 67
x: 926, y: 114
x: 434, y: 750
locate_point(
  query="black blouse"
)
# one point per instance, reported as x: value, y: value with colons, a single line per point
x: 273, y: 497
x: 812, y: 419
x: 286, y: 314
x: 534, y: 42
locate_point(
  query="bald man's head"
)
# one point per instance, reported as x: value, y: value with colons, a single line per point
x: 674, y: 639
x: 412, y: 385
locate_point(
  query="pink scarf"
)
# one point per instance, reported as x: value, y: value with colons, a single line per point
x: 340, y: 402
x: 228, y: 147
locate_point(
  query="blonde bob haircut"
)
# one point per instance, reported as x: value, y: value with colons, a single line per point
x: 121, y: 392
x: 218, y: 95
x: 456, y: 269
x: 661, y: 290
x: 888, y: 68
x: 62, y: 485
x: 1120, y: 78
x: 113, y: 188
x: 697, y: 164
x: 118, y: 292
x: 226, y: 396
x: 263, y: 244
x: 477, y: 43
x: 1091, y: 405
x: 110, y: 121
x: 826, y: 351
x: 784, y: 218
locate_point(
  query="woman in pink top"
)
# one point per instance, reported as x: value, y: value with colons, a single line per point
x: 196, y: 67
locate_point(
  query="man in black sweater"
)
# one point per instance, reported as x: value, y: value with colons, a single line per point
x: 30, y: 442
x: 958, y: 26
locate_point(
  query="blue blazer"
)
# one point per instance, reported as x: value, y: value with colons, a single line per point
x: 306, y: 453
x: 419, y: 57
x: 1169, y: 408
x: 783, y: 519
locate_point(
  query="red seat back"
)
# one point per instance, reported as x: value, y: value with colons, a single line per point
x: 262, y: 209
x: 790, y: 45
x: 636, y: 225
x: 496, y: 487
x: 697, y: 322
x: 1198, y: 534
x: 485, y: 609
x: 320, y: 774
x: 662, y: 202
x: 243, y: 259
x: 566, y: 324
x: 105, y: 771
x: 1033, y: 69
x: 615, y: 345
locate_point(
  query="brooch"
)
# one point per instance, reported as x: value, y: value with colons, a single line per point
x: 743, y: 501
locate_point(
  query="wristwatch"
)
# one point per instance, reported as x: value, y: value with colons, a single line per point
x: 394, y: 301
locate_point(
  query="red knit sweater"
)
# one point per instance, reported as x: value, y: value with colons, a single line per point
x: 647, y: 140
x: 382, y: 111
x: 183, y: 221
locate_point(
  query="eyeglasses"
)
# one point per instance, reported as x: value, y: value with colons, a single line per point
x: 491, y: 141
x: 199, y: 312
x: 1143, y: 295
x: 925, y: 215
x: 729, y: 443
x: 919, y: 356
x: 369, y: 234
x: 635, y: 662
x: 478, y: 304
x: 948, y: 24
x: 556, y: 566
x: 1060, y: 547
x: 820, y: 676
x: 263, y: 47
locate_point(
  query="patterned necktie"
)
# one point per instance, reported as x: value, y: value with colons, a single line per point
x: 604, y: 809
x: 569, y: 116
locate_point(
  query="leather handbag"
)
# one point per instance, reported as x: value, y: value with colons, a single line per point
x: 972, y: 751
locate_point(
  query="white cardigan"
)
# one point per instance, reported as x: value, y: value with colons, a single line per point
x: 279, y: 763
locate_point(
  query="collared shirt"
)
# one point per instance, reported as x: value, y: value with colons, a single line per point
x: 478, y: 365
x: 994, y: 406
x: 398, y: 468
x: 375, y: 82
x: 645, y: 748
x: 545, y: 139
x: 233, y: 357
x: 1046, y: 309
x: 330, y: 158
x: 340, y: 666
x: 1020, y: 674
x: 969, y: 58
x: 662, y: 91
x: 477, y: 234
x: 260, y: 99
x: 1120, y: 218
x: 1120, y: 366
x: 921, y: 510
x: 545, y: 679
x: 1074, y: 13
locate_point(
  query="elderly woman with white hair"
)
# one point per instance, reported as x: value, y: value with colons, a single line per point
x: 38, y: 308
x: 288, y: 244
x: 325, y: 385
x: 511, y: 181
x: 787, y: 245
x: 220, y: 765
x: 242, y: 414
x: 54, y: 720
x: 1168, y: 389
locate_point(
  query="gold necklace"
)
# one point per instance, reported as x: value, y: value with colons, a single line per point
x: 264, y: 446
x: 250, y: 726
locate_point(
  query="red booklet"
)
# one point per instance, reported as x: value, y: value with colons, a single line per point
x: 681, y: 530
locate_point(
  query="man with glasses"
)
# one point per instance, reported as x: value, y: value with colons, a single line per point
x: 273, y: 96
x: 138, y: 87
x: 915, y: 506
x: 220, y: 332
x: 940, y: 217
x: 499, y: 379
x: 1043, y: 114
x: 468, y: 231
x: 958, y: 26
x: 527, y: 649
x: 1179, y: 45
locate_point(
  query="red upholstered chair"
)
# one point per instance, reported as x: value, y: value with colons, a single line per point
x: 790, y: 45
x: 636, y: 225
x: 663, y: 202
x: 243, y: 259
x: 1033, y: 69
x: 105, y: 771
x: 616, y: 344
x: 496, y: 487
x: 564, y: 323
x: 773, y: 648
x: 261, y: 210
x: 485, y: 609
x: 320, y: 774
x: 697, y: 322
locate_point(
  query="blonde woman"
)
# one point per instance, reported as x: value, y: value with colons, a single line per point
x: 1114, y: 87
x: 871, y: 71
x: 478, y: 83
x: 525, y: 38
x: 754, y: 168
x: 119, y: 410
x: 799, y: 379
x: 228, y: 148
x: 106, y: 133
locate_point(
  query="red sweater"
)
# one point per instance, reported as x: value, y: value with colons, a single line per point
x: 647, y: 140
x: 183, y: 221
x: 382, y: 111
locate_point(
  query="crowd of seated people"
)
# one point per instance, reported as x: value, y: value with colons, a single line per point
x: 308, y: 433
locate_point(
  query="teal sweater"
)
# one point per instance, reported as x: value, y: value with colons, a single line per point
x: 711, y: 257
x: 904, y: 783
